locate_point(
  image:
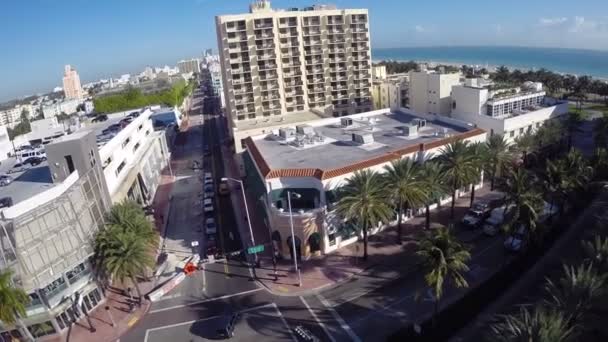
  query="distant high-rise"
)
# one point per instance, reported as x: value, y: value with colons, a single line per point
x: 295, y: 61
x: 71, y: 84
x: 189, y: 65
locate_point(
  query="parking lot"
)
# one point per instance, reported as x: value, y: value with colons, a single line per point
x: 264, y: 322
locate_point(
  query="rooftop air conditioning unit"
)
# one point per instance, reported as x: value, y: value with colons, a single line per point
x: 419, y: 122
x: 363, y: 138
x: 305, y: 129
x: 410, y: 130
x: 346, y: 122
x: 287, y: 133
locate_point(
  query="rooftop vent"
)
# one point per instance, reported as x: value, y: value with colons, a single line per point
x: 362, y: 138
x: 287, y: 133
x: 419, y: 122
x: 346, y: 122
x: 305, y: 129
x: 410, y: 130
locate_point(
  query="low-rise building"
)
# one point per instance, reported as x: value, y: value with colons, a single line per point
x: 391, y: 92
x: 312, y: 160
x: 189, y: 66
x: 508, y: 111
x: 12, y: 116
x: 429, y: 91
x: 58, y: 107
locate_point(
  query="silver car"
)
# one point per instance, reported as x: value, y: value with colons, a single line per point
x: 5, y: 180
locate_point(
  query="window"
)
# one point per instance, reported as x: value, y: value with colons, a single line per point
x: 77, y: 273
x: 243, y: 145
x: 70, y: 162
x: 521, y: 130
x: 140, y: 127
x: 124, y: 143
x: 120, y: 167
x: 41, y: 329
x: 512, y: 134
x: 147, y: 132
x: 135, y: 147
x: 107, y: 162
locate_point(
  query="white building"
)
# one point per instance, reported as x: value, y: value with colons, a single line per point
x: 391, y: 92
x: 506, y: 111
x: 189, y: 66
x: 58, y: 107
x: 315, y: 159
x: 378, y: 72
x: 6, y: 146
x: 89, y: 106
x: 277, y: 63
x: 429, y: 91
x: 12, y: 116
x: 215, y: 74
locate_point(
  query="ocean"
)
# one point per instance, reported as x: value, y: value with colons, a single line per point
x: 571, y: 61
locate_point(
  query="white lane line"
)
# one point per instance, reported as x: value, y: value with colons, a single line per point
x: 293, y: 337
x: 205, y: 301
x: 339, y: 319
x: 314, y: 315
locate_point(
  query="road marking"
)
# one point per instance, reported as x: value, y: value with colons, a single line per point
x: 204, y: 278
x: 132, y: 321
x: 205, y: 301
x: 314, y: 315
x: 339, y: 319
x: 274, y: 305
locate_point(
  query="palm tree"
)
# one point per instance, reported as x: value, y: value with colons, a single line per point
x: 444, y: 260
x: 129, y: 216
x: 459, y: 167
x: 525, y: 202
x: 541, y: 325
x: 434, y: 186
x: 123, y: 255
x: 600, y: 131
x: 406, y: 187
x: 573, y: 124
x: 525, y: 144
x: 499, y: 156
x: 363, y: 199
x: 597, y: 253
x: 479, y: 155
x: 575, y: 291
x: 13, y: 303
x: 599, y: 163
x: 555, y: 183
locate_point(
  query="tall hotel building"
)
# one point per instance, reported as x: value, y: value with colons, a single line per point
x: 305, y: 62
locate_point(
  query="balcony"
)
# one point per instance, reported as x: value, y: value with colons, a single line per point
x: 311, y: 23
x: 243, y: 100
x: 313, y: 52
x: 316, y: 90
x: 237, y: 38
x: 314, y: 71
x: 259, y: 26
x: 263, y: 36
x: 294, y: 93
x: 269, y: 98
x: 316, y: 81
x: 268, y: 77
x: 312, y: 32
x: 240, y: 71
x: 264, y: 67
x: 312, y: 42
x: 358, y: 28
x: 264, y: 46
x: 264, y: 57
x: 315, y: 61
x: 236, y: 28
x: 243, y: 91
x: 293, y: 84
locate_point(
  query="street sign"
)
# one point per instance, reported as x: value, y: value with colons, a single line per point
x: 255, y: 249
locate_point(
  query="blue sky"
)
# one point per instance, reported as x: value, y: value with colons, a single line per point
x: 110, y: 37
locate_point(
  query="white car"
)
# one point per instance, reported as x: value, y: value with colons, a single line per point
x: 210, y: 227
x: 208, y: 188
x: 208, y: 205
x: 516, y: 241
x: 475, y: 216
x: 492, y: 225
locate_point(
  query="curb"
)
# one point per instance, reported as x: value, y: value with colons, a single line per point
x: 134, y: 324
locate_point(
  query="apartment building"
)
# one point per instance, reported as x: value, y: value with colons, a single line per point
x: 429, y: 91
x: 276, y: 63
x: 288, y: 161
x: 508, y: 111
x: 55, y: 108
x: 71, y: 83
x: 189, y: 66
x: 391, y: 92
x: 12, y: 116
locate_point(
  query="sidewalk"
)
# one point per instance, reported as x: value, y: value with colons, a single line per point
x: 332, y: 269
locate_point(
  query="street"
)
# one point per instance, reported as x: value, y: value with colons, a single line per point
x: 369, y: 306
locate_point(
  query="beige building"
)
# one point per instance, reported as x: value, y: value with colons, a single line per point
x: 391, y: 92
x: 378, y: 72
x: 430, y: 91
x: 71, y: 84
x: 278, y: 63
x: 189, y: 66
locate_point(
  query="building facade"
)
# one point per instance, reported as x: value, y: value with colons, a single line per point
x: 12, y: 116
x: 429, y: 91
x: 391, y: 92
x: 53, y: 109
x: 287, y: 162
x: 276, y: 63
x: 189, y: 66
x: 71, y: 84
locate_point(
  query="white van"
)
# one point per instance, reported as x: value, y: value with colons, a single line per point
x: 24, y: 154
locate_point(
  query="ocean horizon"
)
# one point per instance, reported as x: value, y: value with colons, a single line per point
x: 566, y: 61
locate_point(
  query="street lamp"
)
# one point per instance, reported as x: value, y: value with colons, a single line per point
x: 225, y: 179
x: 293, y: 236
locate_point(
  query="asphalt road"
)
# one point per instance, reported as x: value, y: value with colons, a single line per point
x: 368, y: 307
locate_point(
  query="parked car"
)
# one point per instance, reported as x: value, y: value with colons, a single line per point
x: 100, y: 118
x: 516, y: 241
x: 5, y: 180
x: 134, y: 114
x: 33, y: 161
x: 208, y: 181
x: 208, y: 191
x: 6, y: 202
x: 20, y: 167
x: 126, y: 121
x: 476, y: 215
x: 208, y: 205
x: 492, y: 224
x: 210, y: 227
x: 224, y: 189
x: 228, y: 330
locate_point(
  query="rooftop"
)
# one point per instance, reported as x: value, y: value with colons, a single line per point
x: 27, y: 183
x: 281, y: 120
x: 329, y: 146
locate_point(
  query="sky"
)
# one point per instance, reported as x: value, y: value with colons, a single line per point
x: 103, y: 38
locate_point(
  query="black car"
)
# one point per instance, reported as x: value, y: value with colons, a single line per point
x: 6, y: 202
x: 134, y: 114
x: 100, y: 118
x: 33, y: 161
x: 228, y: 330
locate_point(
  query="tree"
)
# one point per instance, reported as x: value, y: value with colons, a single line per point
x: 501, y: 74
x: 363, y: 200
x: 524, y: 201
x: 499, y: 156
x: 573, y: 125
x: 540, y: 325
x: 434, y: 186
x: 444, y: 260
x: 596, y: 252
x: 479, y: 155
x: 600, y: 131
x: 459, y: 167
x: 406, y: 187
x: 124, y: 248
x: 13, y: 303
x: 525, y: 144
x: 599, y: 164
x: 575, y: 292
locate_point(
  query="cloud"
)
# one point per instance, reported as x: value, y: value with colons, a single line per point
x: 419, y: 29
x: 552, y: 21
